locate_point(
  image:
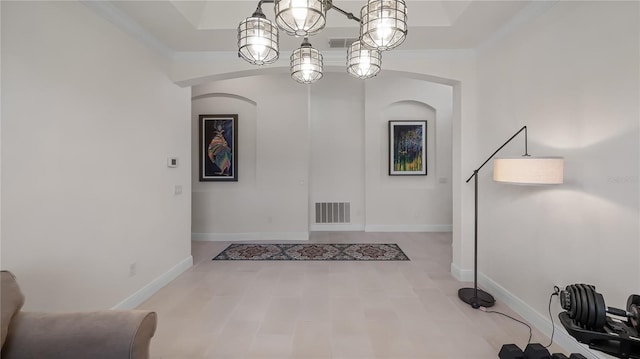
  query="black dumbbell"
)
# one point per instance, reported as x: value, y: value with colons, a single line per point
x: 510, y: 351
x: 587, y: 307
x: 562, y: 356
x: 533, y: 351
x: 536, y: 351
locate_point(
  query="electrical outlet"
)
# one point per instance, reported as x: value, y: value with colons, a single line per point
x: 177, y: 189
x: 133, y: 269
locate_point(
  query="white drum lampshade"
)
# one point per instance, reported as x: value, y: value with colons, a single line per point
x: 528, y: 170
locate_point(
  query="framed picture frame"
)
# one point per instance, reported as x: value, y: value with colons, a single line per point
x: 218, y: 138
x: 407, y: 148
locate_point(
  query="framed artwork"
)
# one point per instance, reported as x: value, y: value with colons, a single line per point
x: 218, y: 137
x: 407, y: 148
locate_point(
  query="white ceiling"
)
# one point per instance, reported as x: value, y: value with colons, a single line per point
x: 210, y: 25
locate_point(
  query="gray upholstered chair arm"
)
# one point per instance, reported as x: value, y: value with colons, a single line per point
x: 96, y: 335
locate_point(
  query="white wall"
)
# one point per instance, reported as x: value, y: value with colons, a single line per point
x: 455, y: 68
x: 408, y: 203
x: 329, y: 129
x: 572, y: 76
x: 89, y: 118
x: 269, y: 201
x: 337, y: 147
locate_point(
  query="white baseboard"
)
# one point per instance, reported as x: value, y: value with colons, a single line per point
x: 150, y: 289
x: 539, y: 321
x: 261, y: 236
x: 408, y: 228
x: 462, y: 275
x: 337, y: 227
x: 304, y: 236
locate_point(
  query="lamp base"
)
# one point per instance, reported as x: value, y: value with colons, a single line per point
x: 468, y: 296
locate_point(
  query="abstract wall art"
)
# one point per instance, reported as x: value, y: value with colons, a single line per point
x: 407, y: 148
x: 218, y: 147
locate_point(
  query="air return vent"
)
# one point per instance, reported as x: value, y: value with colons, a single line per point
x: 333, y: 212
x: 341, y: 43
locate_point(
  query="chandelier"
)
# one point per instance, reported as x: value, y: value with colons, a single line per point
x: 383, y: 26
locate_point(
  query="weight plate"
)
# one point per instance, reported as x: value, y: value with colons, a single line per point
x: 583, y: 307
x: 633, y: 299
x: 635, y: 315
x: 564, y: 300
x: 577, y: 302
x: 591, y: 297
x: 591, y: 305
x: 601, y: 315
x: 572, y: 298
x: 633, y: 307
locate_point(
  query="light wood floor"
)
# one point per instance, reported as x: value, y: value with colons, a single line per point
x: 314, y: 309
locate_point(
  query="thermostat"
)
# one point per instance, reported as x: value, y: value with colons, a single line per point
x: 172, y: 162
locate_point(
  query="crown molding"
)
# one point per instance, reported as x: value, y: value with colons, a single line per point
x: 109, y: 12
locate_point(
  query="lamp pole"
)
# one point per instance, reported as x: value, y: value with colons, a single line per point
x: 473, y: 296
x: 475, y: 303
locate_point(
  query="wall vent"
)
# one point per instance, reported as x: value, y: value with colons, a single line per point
x: 342, y: 43
x: 333, y: 212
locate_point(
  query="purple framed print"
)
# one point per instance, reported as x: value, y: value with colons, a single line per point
x: 218, y: 137
x: 407, y: 148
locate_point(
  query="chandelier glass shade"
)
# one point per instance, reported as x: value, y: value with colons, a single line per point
x: 301, y: 17
x: 383, y: 24
x: 306, y: 64
x: 383, y: 27
x: 362, y: 62
x: 258, y: 40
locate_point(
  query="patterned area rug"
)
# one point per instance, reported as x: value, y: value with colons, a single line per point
x: 314, y: 252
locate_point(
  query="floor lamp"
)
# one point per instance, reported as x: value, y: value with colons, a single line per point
x: 521, y: 170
